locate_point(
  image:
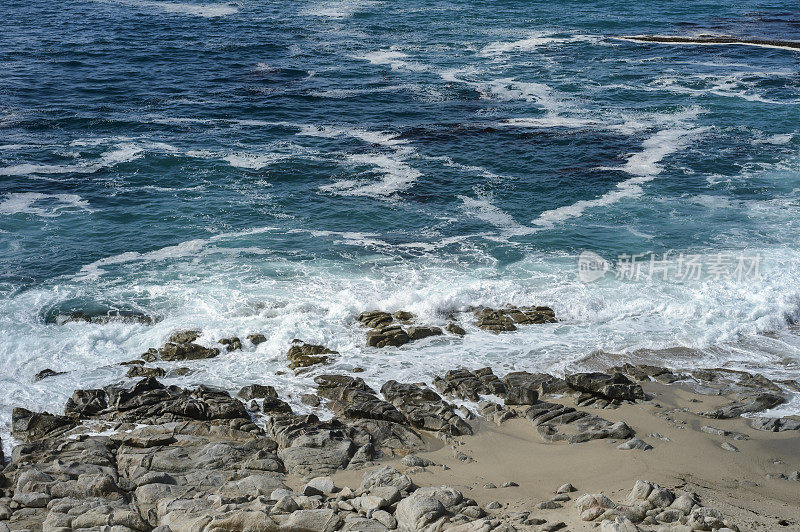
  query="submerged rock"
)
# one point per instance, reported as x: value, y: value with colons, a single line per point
x: 500, y: 320
x: 256, y: 339
x: 233, y: 343
x: 45, y: 373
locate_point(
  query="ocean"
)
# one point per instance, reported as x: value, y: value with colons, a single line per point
x: 279, y: 167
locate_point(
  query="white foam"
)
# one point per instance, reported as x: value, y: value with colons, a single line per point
x: 198, y: 10
x: 122, y: 153
x: 644, y: 165
x: 397, y: 176
x: 532, y: 42
x: 339, y: 9
x: 395, y: 59
x: 483, y: 208
x: 45, y: 205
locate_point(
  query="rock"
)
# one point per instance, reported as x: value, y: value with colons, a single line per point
x: 303, y: 355
x: 412, y: 460
x: 310, y: 399
x: 45, y: 373
x: 489, y: 486
x: 557, y: 422
x: 186, y: 351
x: 85, y: 403
x: 256, y: 391
x: 721, y: 432
x: 524, y: 388
x: 256, y: 339
x: 755, y: 403
x: 321, y: 520
x: 319, y: 486
x: 566, y: 488
x: 385, y: 476
x: 467, y: 385
x: 142, y: 371
x: 612, y: 387
x: 456, y: 329
x: 494, y: 505
x: 285, y: 505
x: 389, y: 335
x: 375, y: 318
x: 773, y: 424
x: 417, y: 512
x: 418, y: 332
x: 233, y: 343
x: 549, y: 505
x: 660, y: 497
x: 550, y: 527
x: 424, y: 409
x: 505, y: 319
x: 31, y: 426
x: 619, y: 524
x: 184, y: 337
x: 509, y: 484
x: 635, y: 443
x: 729, y: 447
x: 494, y: 321
x: 595, y: 501
x: 385, y: 518
x: 684, y: 504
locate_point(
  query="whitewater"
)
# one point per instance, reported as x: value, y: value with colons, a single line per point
x: 243, y: 168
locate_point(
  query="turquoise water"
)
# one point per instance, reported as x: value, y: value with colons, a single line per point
x: 280, y: 167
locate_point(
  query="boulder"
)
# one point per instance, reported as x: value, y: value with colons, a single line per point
x: 256, y: 339
x: 417, y: 511
x: 256, y: 391
x: 30, y: 426
x: 85, y: 403
x: 303, y: 355
x: 375, y: 318
x: 233, y: 343
x: 419, y: 332
x: 612, y: 387
x: 389, y: 335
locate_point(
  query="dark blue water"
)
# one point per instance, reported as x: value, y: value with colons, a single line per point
x: 281, y: 166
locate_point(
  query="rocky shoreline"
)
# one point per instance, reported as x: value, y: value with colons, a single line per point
x: 142, y: 456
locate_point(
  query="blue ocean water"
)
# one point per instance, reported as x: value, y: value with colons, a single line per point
x: 279, y: 167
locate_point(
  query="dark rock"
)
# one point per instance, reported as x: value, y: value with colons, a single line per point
x: 418, y: 333
x: 334, y: 382
x: 85, y: 403
x: 256, y: 339
x: 46, y: 373
x: 455, y: 328
x: 233, y: 343
x: 468, y: 385
x: 752, y: 404
x: 389, y: 335
x: 256, y: 391
x: 142, y: 371
x: 494, y: 321
x: 186, y: 351
x: 613, y: 387
x: 507, y: 319
x: 644, y: 372
x: 310, y: 399
x: 774, y: 424
x: 375, y: 318
x: 273, y: 406
x: 557, y: 422
x: 303, y: 355
x: 30, y: 426
x: 424, y: 409
x: 523, y: 387
x: 184, y: 337
x: 403, y: 316
x: 150, y: 402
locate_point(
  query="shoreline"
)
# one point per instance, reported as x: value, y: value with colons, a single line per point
x: 153, y: 457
